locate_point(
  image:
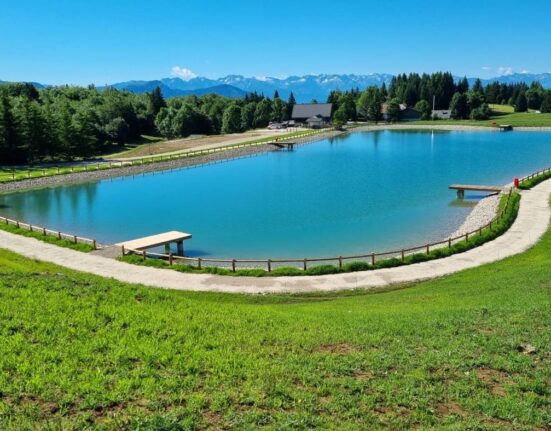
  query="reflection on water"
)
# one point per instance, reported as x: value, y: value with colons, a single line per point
x: 350, y: 194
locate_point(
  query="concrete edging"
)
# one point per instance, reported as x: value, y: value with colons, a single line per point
x: 531, y: 223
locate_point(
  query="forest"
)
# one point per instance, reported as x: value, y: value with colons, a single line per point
x: 68, y: 122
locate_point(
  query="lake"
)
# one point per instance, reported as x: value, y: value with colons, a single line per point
x: 354, y: 194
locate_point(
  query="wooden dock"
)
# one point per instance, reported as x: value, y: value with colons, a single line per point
x: 461, y: 188
x: 161, y: 239
x: 505, y: 127
x: 288, y: 145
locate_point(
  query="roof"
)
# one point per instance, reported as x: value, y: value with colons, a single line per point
x: 315, y: 118
x: 308, y: 110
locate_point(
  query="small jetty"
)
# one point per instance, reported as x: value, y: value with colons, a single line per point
x: 474, y: 187
x: 166, y: 238
x: 505, y: 127
x: 288, y: 145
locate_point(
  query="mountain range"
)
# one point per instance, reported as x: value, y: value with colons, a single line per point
x: 305, y: 88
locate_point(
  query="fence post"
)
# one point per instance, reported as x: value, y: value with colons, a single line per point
x: 428, y: 248
x: 122, y: 250
x: 449, y: 243
x: 43, y: 231
x: 305, y: 264
x: 94, y: 244
x: 403, y: 256
x: 199, y: 262
x: 75, y: 238
x: 372, y: 259
x: 233, y: 265
x: 269, y: 265
x: 340, y: 262
x: 144, y: 256
x: 467, y: 236
x: 170, y: 258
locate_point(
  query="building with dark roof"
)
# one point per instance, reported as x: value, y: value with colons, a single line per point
x: 312, y: 114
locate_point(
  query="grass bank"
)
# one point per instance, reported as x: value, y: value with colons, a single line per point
x: 17, y: 174
x: 468, y: 351
x: 46, y: 238
x: 499, y: 227
x: 515, y: 119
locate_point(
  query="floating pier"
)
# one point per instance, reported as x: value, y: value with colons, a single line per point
x: 474, y: 187
x: 161, y: 239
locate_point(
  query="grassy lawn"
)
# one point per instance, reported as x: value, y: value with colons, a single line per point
x: 468, y: 351
x: 516, y: 119
x: 9, y: 174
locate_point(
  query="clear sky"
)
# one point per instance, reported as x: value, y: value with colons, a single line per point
x: 102, y: 41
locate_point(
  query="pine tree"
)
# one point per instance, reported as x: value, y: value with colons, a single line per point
x: 521, y: 104
x: 156, y: 100
x: 290, y: 103
x: 7, y: 130
x: 276, y: 95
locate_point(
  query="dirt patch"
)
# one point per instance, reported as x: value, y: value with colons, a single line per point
x: 338, y: 349
x: 213, y: 419
x: 450, y: 408
x: 494, y: 379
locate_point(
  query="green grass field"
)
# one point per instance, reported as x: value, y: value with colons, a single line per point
x: 515, y: 119
x: 468, y: 351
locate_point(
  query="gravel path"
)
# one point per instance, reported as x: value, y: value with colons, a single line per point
x: 484, y: 211
x: 221, y: 156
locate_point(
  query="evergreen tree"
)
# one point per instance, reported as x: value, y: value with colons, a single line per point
x: 7, y: 131
x: 477, y: 86
x: 290, y: 103
x: 276, y: 94
x: 546, y: 103
x: 459, y: 107
x: 521, y: 104
x: 463, y: 85
x: 156, y: 100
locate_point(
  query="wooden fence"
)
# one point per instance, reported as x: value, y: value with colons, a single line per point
x: 48, y: 232
x: 339, y: 261
x: 90, y: 167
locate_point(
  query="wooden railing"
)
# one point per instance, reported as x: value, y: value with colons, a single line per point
x: 545, y: 171
x: 339, y: 261
x: 91, y: 167
x: 49, y: 232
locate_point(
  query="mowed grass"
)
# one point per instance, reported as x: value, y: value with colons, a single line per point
x: 469, y: 351
x: 515, y: 119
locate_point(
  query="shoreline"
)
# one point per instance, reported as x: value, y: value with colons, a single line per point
x: 176, y: 163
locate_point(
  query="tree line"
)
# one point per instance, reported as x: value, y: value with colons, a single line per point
x: 65, y: 123
x: 438, y: 90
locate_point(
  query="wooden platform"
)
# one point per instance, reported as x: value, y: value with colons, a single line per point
x: 158, y: 240
x: 461, y: 188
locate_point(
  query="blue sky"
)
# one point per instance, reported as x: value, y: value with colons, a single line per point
x: 100, y: 41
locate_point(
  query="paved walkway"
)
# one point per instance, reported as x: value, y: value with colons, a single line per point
x: 530, y: 225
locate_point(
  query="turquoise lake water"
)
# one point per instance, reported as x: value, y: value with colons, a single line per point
x: 363, y: 192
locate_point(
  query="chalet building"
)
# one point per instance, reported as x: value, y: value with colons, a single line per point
x: 313, y: 115
x: 442, y: 114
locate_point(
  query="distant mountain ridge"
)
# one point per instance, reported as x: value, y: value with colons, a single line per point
x: 305, y: 88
